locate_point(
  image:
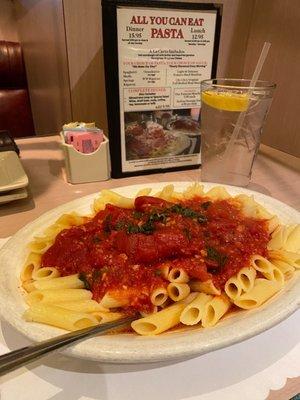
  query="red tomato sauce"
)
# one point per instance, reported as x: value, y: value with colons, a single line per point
x: 121, y: 250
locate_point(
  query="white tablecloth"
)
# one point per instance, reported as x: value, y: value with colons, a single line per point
x: 247, y: 371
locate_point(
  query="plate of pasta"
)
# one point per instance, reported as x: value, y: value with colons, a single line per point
x: 204, y: 267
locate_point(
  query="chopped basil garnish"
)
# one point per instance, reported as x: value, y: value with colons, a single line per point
x: 158, y: 217
x: 201, y: 219
x: 107, y: 224
x: 188, y: 213
x: 120, y: 225
x: 82, y: 276
x: 213, y: 271
x: 137, y: 214
x: 96, y: 239
x: 206, y: 204
x: 187, y: 233
x: 215, y: 255
x: 133, y: 228
x: 147, y: 228
x: 177, y: 208
x: 97, y: 273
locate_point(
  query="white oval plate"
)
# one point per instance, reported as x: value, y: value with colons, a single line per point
x: 130, y: 348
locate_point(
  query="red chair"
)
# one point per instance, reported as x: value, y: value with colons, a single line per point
x: 15, y: 109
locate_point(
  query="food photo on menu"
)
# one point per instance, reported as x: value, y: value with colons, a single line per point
x: 161, y: 133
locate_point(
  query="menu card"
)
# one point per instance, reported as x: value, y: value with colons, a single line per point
x: 156, y: 55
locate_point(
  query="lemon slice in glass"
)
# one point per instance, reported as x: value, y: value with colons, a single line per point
x: 226, y: 101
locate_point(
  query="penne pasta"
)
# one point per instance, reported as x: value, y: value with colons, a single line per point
x: 214, y: 310
x: 65, y: 282
x: 293, y: 240
x: 207, y: 287
x: 117, y: 199
x: 218, y: 193
x: 253, y: 209
x: 144, y: 192
x: 119, y: 298
x: 165, y: 270
x: 67, y: 220
x: 108, y: 196
x: 57, y: 295
x: 273, y: 224
x: 262, y: 213
x: 103, y: 317
x: 278, y: 238
x: 194, y: 190
x: 44, y: 274
x: 178, y: 275
x: 194, y: 311
x: 98, y: 205
x: 263, y: 290
x: 290, y: 258
x: 154, y: 310
x: 268, y: 270
x: 243, y: 281
x: 40, y: 245
x: 53, y: 230
x: 248, y: 205
x: 85, y: 306
x: 167, y: 192
x: 159, y: 296
x: 287, y: 269
x: 285, y: 238
x: 177, y: 196
x: 160, y: 321
x: 233, y: 288
x: 59, y: 317
x: 178, y: 291
x: 109, y: 301
x: 246, y: 277
x: 32, y: 263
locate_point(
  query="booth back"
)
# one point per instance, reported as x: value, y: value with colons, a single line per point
x: 15, y: 109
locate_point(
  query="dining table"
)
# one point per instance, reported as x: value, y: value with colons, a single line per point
x: 266, y: 366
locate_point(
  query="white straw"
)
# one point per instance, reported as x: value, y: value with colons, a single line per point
x: 240, y: 120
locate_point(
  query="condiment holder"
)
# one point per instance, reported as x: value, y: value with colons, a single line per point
x: 83, y: 168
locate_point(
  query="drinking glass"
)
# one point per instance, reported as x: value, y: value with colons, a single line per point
x: 232, y: 118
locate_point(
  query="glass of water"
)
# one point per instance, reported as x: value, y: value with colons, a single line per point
x: 232, y: 117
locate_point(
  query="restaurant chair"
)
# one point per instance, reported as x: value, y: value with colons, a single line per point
x: 15, y: 108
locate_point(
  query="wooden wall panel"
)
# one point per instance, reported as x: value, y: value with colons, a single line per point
x: 42, y: 35
x: 237, y: 16
x: 8, y: 26
x: 85, y: 54
x: 236, y: 20
x: 278, y: 21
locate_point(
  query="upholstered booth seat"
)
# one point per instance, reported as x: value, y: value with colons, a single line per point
x: 15, y: 109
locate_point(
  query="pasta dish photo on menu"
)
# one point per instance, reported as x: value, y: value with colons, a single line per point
x: 161, y: 133
x: 176, y: 258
